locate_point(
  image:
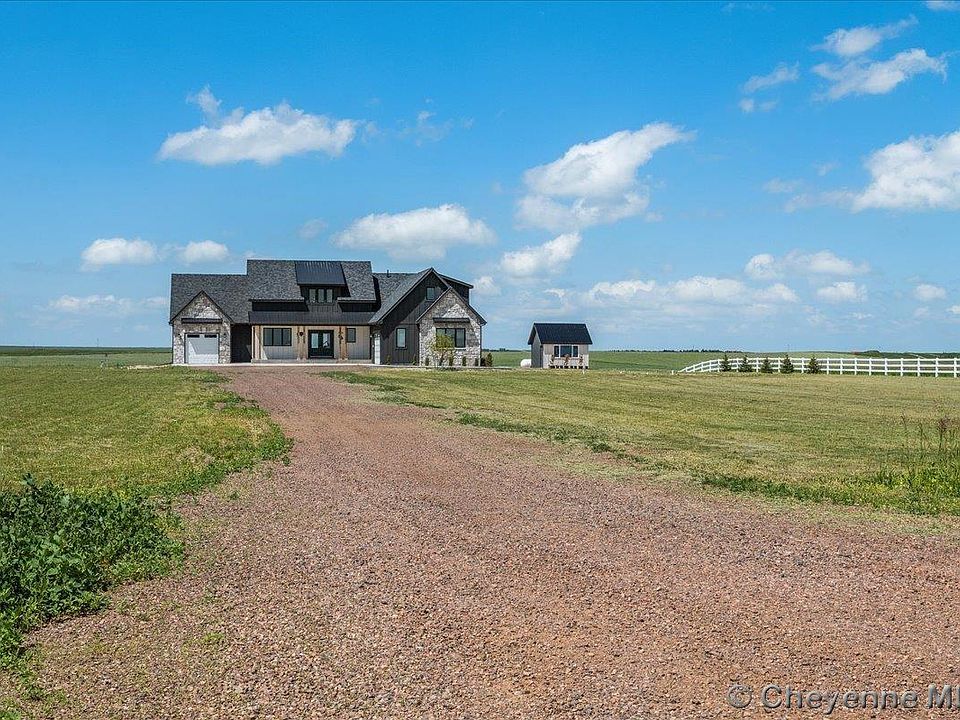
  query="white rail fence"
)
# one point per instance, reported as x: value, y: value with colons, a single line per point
x: 902, y: 366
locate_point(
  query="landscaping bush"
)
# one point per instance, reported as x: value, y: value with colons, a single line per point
x: 725, y: 364
x: 765, y: 366
x: 786, y: 365
x: 463, y: 361
x: 489, y: 359
x: 813, y: 366
x: 59, y: 551
x: 744, y: 366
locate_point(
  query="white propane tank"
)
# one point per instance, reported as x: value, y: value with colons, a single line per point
x: 526, y: 362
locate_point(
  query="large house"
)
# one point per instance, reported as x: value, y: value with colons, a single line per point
x: 320, y: 310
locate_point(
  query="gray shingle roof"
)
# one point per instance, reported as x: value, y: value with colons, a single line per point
x: 359, y: 280
x: 272, y: 280
x: 393, y: 288
x: 229, y: 292
x: 561, y: 333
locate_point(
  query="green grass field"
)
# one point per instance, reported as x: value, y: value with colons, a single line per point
x: 818, y: 437
x: 639, y: 360
x: 19, y: 356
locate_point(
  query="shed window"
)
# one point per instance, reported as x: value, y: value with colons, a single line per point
x: 401, y: 338
x: 459, y: 335
x: 351, y: 335
x: 566, y: 350
x: 277, y: 337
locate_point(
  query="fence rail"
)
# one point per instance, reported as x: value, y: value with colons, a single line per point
x: 902, y: 366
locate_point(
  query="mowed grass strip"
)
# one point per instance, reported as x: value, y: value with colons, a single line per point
x: 847, y: 439
x: 164, y: 431
x: 14, y: 356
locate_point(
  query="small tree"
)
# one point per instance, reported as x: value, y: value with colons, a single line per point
x: 786, y: 365
x: 744, y: 366
x: 813, y: 366
x: 463, y: 361
x: 442, y: 348
x: 765, y: 366
x: 725, y: 364
x: 489, y: 359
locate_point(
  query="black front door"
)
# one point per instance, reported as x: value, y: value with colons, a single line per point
x: 320, y: 344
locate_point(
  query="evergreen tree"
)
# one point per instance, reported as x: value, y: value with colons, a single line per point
x: 744, y: 365
x: 765, y: 366
x: 725, y: 364
x: 813, y: 366
x: 786, y: 365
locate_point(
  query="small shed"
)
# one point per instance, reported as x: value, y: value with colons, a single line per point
x: 559, y: 345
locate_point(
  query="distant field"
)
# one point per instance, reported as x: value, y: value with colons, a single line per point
x: 640, y: 360
x: 88, y: 427
x: 18, y: 356
x: 814, y: 437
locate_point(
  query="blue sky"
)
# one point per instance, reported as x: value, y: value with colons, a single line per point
x: 743, y: 175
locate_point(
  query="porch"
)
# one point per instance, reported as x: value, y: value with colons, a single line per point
x: 312, y: 344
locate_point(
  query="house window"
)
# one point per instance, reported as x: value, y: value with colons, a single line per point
x: 277, y: 337
x: 566, y: 350
x: 321, y: 295
x: 432, y: 293
x: 401, y: 338
x: 458, y: 335
x: 351, y: 335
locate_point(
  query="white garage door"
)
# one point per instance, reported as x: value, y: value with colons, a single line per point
x: 203, y: 349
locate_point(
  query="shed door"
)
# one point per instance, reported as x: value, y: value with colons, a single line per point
x: 203, y: 349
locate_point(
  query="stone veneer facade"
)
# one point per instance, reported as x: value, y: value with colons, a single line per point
x: 200, y: 307
x: 451, y: 305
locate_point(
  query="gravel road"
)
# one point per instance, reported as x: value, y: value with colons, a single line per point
x: 401, y: 567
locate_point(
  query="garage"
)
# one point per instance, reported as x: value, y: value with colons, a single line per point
x: 202, y: 349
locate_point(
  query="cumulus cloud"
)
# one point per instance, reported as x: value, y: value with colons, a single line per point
x: 204, y: 251
x: 824, y: 262
x: 861, y: 77
x: 845, y: 291
x: 925, y: 292
x: 425, y: 233
x: 311, y: 229
x: 954, y: 309
x: 118, y: 251
x: 485, y: 286
x: 106, y: 305
x: 776, y: 293
x: 594, y: 182
x: 921, y: 173
x: 848, y: 42
x: 264, y: 136
x: 549, y: 257
x: 781, y: 74
x: 749, y: 105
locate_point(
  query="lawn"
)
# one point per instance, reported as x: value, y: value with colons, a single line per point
x: 819, y: 437
x: 20, y: 356
x: 638, y: 360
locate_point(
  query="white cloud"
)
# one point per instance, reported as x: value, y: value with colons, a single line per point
x: 708, y: 289
x: 118, y: 251
x: 824, y: 262
x: 848, y: 42
x: 204, y: 251
x: 921, y: 173
x: 311, y: 229
x: 541, y: 259
x: 778, y: 186
x: 485, y: 286
x: 781, y: 74
x: 594, y: 182
x: 776, y: 293
x: 861, y: 77
x: 264, y: 136
x: 427, y: 129
x: 954, y: 309
x: 921, y: 312
x: 824, y: 168
x: 943, y: 5
x: 843, y: 292
x: 621, y: 292
x: 425, y: 233
x: 106, y: 305
x: 749, y: 105
x: 925, y: 292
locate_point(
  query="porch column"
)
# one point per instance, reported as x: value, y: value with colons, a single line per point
x: 376, y: 348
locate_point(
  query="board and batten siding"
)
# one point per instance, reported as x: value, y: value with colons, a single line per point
x: 405, y: 315
x: 300, y: 334
x: 547, y: 354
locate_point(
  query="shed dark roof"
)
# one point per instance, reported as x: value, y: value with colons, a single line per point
x: 319, y: 272
x: 228, y: 292
x: 561, y: 333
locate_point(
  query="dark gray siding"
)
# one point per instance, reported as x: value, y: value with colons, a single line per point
x: 241, y: 346
x: 405, y: 315
x: 536, y: 352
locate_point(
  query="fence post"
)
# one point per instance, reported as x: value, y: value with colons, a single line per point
x: 901, y: 367
x: 918, y: 367
x: 886, y: 366
x: 936, y: 367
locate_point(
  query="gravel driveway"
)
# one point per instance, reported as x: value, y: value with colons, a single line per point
x: 402, y: 567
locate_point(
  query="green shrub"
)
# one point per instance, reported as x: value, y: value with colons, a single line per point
x: 725, y: 364
x: 765, y: 366
x: 463, y: 361
x: 744, y: 366
x: 59, y: 551
x: 786, y: 365
x: 489, y: 359
x: 813, y: 366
